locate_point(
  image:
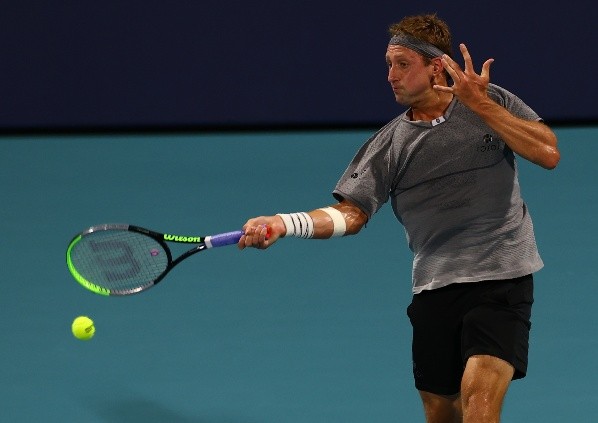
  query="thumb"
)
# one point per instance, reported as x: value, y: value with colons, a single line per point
x: 486, y: 69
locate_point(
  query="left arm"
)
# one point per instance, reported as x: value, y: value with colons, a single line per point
x: 532, y: 140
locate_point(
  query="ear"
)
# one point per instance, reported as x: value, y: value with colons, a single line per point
x: 438, y: 67
x: 439, y: 74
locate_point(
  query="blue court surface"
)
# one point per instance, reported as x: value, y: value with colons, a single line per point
x: 305, y: 332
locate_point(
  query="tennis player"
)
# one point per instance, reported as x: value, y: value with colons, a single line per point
x: 448, y: 166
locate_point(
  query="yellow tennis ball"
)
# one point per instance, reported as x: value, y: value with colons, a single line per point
x: 83, y: 328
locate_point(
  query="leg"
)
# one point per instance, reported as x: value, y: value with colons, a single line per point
x: 442, y: 408
x: 483, y: 388
x: 495, y: 340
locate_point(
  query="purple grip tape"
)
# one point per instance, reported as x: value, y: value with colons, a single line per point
x: 227, y: 238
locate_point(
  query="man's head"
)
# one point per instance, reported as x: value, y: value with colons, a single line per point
x: 413, y: 58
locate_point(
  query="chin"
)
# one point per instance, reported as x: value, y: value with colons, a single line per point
x: 402, y: 101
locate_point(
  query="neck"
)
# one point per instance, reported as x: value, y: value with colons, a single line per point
x: 431, y: 109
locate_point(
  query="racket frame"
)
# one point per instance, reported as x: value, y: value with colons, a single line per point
x: 201, y: 243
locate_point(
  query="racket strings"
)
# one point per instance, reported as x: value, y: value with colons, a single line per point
x: 119, y: 260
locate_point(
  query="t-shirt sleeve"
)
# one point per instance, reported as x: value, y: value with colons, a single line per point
x: 512, y: 103
x: 367, y: 180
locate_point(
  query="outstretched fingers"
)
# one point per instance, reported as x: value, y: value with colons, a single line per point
x: 452, y: 67
x: 467, y: 84
x: 466, y: 59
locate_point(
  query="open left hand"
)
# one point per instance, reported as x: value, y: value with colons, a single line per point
x: 469, y: 87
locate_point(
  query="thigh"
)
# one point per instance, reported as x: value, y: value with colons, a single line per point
x: 499, y: 325
x: 436, y: 347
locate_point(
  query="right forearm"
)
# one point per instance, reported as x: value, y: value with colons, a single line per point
x: 337, y: 220
x: 345, y: 219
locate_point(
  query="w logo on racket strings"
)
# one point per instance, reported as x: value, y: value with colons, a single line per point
x: 177, y: 238
x: 115, y: 259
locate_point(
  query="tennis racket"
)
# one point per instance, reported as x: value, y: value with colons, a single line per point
x: 116, y: 259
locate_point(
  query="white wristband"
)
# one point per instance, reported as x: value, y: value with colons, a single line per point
x: 299, y: 224
x: 338, y: 220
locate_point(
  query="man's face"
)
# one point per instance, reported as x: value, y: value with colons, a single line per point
x: 409, y: 78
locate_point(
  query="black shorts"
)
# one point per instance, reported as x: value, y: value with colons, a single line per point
x: 452, y: 323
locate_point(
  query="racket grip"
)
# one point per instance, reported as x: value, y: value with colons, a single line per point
x: 227, y: 238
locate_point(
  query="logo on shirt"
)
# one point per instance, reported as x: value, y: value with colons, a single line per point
x: 438, y: 120
x: 356, y: 175
x: 489, y: 144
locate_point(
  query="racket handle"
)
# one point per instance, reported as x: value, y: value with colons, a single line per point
x: 227, y: 238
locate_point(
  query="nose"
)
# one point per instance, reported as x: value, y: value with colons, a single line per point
x: 392, y: 74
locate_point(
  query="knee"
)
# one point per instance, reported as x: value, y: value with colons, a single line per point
x: 484, y: 385
x: 485, y: 374
x: 442, y: 408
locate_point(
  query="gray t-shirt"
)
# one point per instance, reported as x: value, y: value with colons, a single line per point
x: 453, y: 185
